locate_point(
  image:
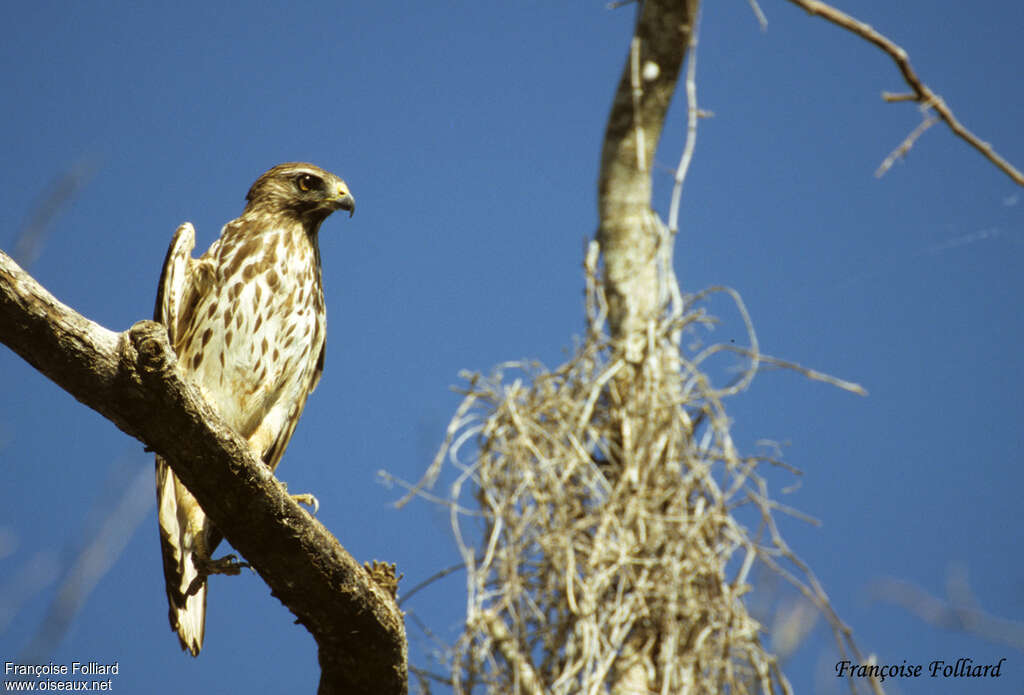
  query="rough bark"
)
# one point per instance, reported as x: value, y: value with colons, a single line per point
x: 131, y: 379
x: 628, y: 240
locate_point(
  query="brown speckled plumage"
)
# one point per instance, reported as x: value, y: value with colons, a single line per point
x: 248, y: 323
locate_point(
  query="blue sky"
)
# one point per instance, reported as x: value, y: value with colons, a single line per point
x: 470, y: 135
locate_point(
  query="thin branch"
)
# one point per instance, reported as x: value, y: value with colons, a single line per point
x: 812, y: 374
x: 905, y: 146
x: 29, y: 243
x: 637, y: 92
x: 440, y: 574
x: 959, y: 611
x: 92, y: 561
x: 692, y: 114
x: 921, y: 92
x: 762, y: 20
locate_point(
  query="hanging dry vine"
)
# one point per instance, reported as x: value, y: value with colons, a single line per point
x: 597, y: 557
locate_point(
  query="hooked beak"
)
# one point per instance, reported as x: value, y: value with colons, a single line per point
x: 344, y: 200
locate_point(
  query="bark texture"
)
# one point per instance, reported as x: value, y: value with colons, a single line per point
x: 626, y: 234
x: 131, y: 379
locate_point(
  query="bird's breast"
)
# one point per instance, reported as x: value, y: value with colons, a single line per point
x: 260, y: 334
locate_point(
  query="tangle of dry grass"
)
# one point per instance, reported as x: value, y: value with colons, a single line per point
x: 594, y: 507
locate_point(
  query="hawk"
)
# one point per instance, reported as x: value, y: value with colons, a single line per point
x: 247, y: 322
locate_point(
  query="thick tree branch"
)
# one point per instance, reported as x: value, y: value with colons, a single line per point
x: 131, y: 379
x: 628, y: 239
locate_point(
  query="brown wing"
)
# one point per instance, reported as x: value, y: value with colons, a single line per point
x: 319, y: 370
x: 174, y: 279
x: 183, y: 527
x: 276, y: 450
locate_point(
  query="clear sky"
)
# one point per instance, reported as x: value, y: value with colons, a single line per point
x: 470, y: 134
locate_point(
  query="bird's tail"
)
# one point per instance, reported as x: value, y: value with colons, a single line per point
x: 184, y: 535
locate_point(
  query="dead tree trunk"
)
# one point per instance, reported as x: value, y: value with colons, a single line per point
x: 627, y: 234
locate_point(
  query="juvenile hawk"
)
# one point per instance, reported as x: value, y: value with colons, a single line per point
x: 247, y: 322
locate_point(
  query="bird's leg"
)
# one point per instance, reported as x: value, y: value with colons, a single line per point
x: 228, y: 564
x: 305, y: 499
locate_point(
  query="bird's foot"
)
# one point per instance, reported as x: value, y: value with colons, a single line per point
x: 306, y: 499
x: 228, y: 564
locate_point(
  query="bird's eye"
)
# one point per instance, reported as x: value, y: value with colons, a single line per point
x: 307, y: 182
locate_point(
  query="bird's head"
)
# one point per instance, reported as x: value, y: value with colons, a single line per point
x: 302, y: 191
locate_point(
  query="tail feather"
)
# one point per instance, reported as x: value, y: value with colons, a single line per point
x: 185, y: 533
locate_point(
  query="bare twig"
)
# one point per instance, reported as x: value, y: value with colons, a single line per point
x: 440, y: 574
x: 637, y: 92
x: 922, y: 94
x: 762, y: 20
x: 813, y: 374
x: 692, y: 113
x: 960, y: 610
x: 94, y: 559
x: 905, y: 146
x: 29, y: 243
